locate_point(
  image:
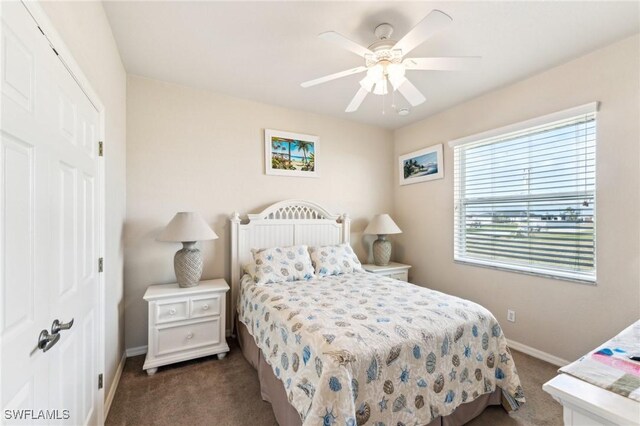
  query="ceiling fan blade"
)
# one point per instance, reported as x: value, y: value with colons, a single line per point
x: 333, y: 76
x: 434, y: 22
x: 345, y: 43
x: 357, y: 100
x: 442, y: 64
x: 411, y: 93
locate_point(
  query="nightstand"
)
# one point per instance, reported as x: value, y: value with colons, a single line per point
x: 393, y: 270
x: 185, y: 323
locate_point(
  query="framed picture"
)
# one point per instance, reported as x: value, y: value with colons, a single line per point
x: 421, y: 166
x: 290, y: 154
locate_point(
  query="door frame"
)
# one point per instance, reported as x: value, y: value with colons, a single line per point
x: 64, y: 55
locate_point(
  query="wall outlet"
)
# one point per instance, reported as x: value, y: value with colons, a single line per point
x: 511, y: 315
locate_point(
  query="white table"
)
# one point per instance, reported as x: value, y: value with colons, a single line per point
x: 585, y: 404
x: 185, y: 323
x: 393, y: 270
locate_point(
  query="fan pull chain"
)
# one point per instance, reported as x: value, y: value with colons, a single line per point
x: 384, y: 94
x: 393, y: 98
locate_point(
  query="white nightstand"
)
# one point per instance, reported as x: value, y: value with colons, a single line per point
x: 185, y: 323
x: 393, y: 270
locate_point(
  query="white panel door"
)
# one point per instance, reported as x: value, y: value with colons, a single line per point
x: 49, y: 232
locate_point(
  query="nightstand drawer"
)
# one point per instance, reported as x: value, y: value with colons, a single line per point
x: 394, y: 270
x: 402, y: 276
x: 190, y: 336
x: 172, y: 311
x: 205, y: 306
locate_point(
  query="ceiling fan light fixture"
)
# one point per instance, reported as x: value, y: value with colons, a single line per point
x: 367, y: 84
x: 375, y: 75
x: 395, y: 74
x: 379, y: 75
x: 386, y: 64
x: 381, y: 87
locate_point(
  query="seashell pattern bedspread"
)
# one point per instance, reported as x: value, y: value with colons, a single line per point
x: 363, y: 349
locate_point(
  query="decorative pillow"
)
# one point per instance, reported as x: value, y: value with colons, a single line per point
x: 335, y: 260
x: 280, y: 264
x: 250, y: 268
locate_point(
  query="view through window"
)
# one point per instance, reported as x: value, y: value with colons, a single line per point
x: 525, y: 200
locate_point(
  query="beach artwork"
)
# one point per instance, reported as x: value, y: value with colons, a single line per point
x: 290, y: 154
x: 421, y: 166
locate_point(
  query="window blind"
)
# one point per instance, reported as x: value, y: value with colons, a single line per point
x: 525, y: 198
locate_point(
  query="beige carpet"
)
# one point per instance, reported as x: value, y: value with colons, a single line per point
x: 226, y: 392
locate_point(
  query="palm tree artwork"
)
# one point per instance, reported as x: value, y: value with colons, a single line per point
x: 410, y: 167
x: 304, y: 146
x: 284, y: 150
x: 295, y: 154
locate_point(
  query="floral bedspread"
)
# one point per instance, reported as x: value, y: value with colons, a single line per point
x: 359, y: 349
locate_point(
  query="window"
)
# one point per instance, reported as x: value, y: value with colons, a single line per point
x: 525, y: 196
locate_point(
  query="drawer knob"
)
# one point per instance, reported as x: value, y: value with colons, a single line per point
x: 172, y: 311
x: 205, y: 307
x: 190, y: 336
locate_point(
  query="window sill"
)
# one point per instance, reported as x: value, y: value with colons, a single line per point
x: 527, y: 271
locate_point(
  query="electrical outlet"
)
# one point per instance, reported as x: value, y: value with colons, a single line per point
x: 511, y: 315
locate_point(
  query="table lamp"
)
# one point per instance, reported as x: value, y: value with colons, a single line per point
x: 187, y: 228
x: 382, y: 225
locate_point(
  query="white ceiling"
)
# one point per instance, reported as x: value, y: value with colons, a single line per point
x: 264, y: 50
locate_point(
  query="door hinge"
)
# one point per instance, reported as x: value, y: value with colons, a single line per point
x: 101, y: 264
x: 100, y: 381
x: 100, y: 149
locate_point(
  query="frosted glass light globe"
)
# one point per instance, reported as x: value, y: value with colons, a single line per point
x: 395, y: 73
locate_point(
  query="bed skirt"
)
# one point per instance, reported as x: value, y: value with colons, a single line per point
x: 272, y: 390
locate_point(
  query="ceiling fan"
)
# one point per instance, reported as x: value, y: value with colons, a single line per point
x: 386, y: 64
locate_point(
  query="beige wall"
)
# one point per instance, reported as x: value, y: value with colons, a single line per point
x: 196, y: 150
x: 85, y: 30
x: 189, y: 149
x: 562, y: 318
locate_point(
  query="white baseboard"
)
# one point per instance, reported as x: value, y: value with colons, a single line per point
x: 112, y: 390
x: 551, y: 359
x: 139, y: 350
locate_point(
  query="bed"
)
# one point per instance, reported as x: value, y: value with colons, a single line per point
x: 359, y: 348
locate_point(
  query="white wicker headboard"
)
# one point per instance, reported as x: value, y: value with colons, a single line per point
x: 282, y: 224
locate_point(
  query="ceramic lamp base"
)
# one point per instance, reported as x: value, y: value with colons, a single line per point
x: 381, y: 251
x: 188, y: 265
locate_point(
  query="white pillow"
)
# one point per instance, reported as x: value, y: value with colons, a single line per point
x: 249, y: 268
x: 281, y: 264
x: 334, y: 260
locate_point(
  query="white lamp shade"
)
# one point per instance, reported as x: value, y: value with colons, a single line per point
x: 187, y: 226
x: 382, y: 224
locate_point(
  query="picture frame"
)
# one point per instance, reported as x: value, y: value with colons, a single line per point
x: 291, y: 154
x: 421, y: 166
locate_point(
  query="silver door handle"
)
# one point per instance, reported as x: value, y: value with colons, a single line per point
x: 57, y: 326
x: 46, y: 341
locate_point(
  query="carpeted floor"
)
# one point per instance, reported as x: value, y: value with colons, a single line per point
x: 226, y: 392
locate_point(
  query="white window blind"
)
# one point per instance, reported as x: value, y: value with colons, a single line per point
x: 525, y: 196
